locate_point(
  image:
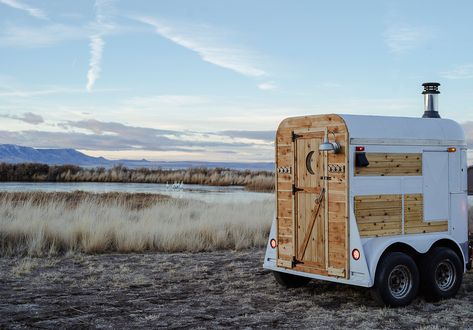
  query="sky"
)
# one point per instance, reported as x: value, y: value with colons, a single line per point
x: 211, y: 80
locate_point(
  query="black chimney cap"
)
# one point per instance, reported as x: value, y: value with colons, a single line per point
x: 431, y: 88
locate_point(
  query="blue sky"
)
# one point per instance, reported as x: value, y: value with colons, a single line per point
x: 210, y: 80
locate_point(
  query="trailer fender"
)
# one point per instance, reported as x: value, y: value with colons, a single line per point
x: 375, y: 247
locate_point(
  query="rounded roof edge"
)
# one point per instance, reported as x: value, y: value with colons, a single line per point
x: 366, y: 126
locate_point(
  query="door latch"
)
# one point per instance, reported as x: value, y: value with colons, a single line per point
x: 295, y: 189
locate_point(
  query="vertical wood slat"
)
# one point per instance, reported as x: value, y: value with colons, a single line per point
x: 337, y: 224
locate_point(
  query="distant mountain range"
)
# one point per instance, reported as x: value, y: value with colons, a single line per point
x: 10, y: 153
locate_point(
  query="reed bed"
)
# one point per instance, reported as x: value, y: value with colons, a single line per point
x: 47, y: 225
x: 30, y: 172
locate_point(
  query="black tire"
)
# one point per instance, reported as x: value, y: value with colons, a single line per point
x: 289, y: 280
x: 441, y: 274
x: 397, y: 280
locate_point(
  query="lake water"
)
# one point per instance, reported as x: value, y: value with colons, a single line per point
x: 211, y: 194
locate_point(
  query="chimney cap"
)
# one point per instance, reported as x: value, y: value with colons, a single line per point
x: 431, y: 88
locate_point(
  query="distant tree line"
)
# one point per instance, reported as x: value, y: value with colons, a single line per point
x: 33, y: 172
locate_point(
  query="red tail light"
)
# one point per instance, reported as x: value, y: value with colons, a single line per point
x: 273, y: 243
x: 355, y: 254
x: 359, y: 148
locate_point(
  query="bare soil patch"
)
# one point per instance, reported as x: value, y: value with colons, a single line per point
x: 210, y: 289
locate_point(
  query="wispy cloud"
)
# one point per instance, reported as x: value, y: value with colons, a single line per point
x: 27, y: 117
x: 34, y: 12
x: 25, y: 93
x: 102, y: 26
x: 209, y: 45
x: 266, y: 86
x: 403, y: 38
x: 41, y: 36
x: 464, y: 71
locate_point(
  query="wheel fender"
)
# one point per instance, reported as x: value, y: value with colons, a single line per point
x: 375, y: 247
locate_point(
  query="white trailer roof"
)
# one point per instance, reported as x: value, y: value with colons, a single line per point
x: 377, y: 128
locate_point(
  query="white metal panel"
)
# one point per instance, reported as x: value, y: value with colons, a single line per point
x: 384, y: 127
x: 271, y: 254
x: 375, y: 185
x: 464, y: 171
x: 459, y: 217
x: 454, y: 169
x: 436, y: 196
x: 412, y: 185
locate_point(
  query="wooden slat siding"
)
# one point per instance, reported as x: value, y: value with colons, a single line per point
x: 337, y: 190
x: 391, y: 164
x: 378, y: 215
x: 414, y: 217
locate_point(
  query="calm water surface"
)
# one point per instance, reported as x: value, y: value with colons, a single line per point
x: 200, y: 192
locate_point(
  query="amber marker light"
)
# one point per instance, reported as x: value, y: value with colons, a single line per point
x: 273, y: 243
x: 355, y: 254
x: 452, y: 149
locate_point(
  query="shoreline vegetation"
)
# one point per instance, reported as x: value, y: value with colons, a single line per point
x: 43, y: 224
x: 261, y: 181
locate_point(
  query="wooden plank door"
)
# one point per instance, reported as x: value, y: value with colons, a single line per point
x: 309, y: 203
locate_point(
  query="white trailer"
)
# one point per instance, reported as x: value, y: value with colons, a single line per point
x: 372, y: 201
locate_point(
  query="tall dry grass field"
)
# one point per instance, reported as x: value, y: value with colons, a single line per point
x: 30, y: 172
x: 42, y: 223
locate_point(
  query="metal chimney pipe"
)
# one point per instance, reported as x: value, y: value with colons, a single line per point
x: 431, y: 92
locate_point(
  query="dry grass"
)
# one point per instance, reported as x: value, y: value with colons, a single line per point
x: 39, y: 225
x: 30, y: 172
x: 74, y: 198
x: 209, y: 290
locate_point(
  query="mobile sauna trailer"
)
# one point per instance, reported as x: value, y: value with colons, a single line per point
x: 372, y: 201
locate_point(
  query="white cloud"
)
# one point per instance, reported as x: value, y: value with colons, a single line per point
x: 209, y: 45
x: 41, y: 36
x: 464, y: 71
x: 35, y: 12
x: 403, y: 38
x: 96, y: 50
x: 102, y: 26
x: 266, y: 86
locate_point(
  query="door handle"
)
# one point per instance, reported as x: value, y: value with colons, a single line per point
x: 295, y: 189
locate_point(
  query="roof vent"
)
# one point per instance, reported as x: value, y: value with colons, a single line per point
x: 431, y: 92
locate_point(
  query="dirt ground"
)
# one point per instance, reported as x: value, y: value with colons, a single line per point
x: 221, y: 289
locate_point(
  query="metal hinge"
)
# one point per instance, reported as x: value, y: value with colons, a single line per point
x: 328, y: 178
x: 295, y: 189
x: 295, y: 136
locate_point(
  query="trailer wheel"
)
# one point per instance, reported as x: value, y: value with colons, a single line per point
x: 397, y: 280
x: 289, y: 280
x: 442, y: 274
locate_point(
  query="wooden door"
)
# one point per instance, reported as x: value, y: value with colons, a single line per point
x: 309, y: 202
